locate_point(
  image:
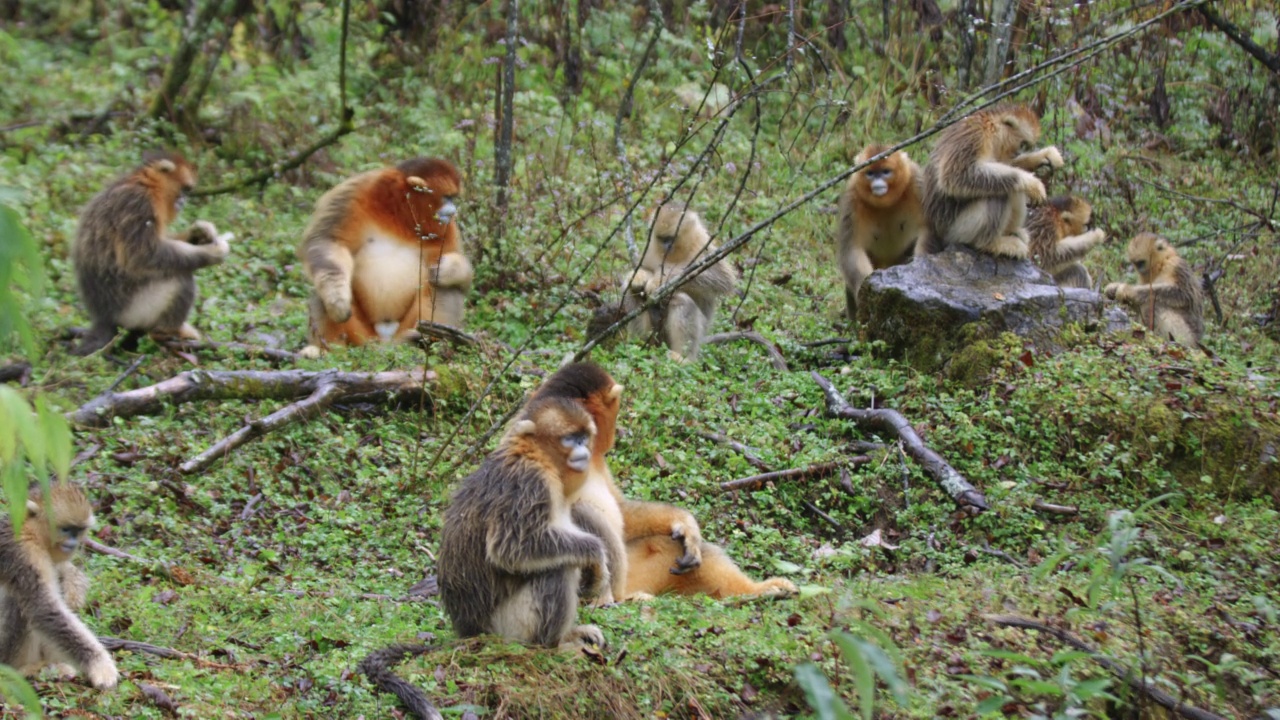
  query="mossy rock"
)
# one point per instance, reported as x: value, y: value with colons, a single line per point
x: 927, y: 310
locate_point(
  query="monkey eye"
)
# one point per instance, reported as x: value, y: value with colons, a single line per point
x: 1140, y: 265
x: 71, y: 530
x: 573, y: 440
x: 186, y: 187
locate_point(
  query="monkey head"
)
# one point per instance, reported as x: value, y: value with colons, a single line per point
x: 59, y: 525
x: 430, y: 185
x: 558, y: 433
x: 1148, y: 253
x: 168, y: 177
x: 1015, y: 129
x: 676, y: 222
x: 1074, y: 212
x: 589, y: 385
x: 882, y: 183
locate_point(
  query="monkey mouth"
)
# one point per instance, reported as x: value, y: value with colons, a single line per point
x: 879, y: 188
x: 68, y: 546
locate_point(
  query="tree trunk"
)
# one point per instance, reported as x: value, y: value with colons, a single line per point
x: 1003, y: 13
x: 502, y: 149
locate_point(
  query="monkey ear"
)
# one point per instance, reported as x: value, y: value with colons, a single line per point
x: 1161, y: 245
x: 615, y: 392
x: 525, y: 427
x: 33, y: 508
x: 166, y: 165
x: 416, y: 183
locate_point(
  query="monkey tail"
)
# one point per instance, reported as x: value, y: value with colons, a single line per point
x: 377, y: 666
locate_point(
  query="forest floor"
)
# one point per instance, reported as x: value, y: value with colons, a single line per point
x: 286, y: 562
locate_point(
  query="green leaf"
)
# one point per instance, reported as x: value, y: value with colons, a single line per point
x: 993, y: 704
x: 986, y: 681
x: 15, y: 688
x: 57, y: 437
x: 28, y: 430
x: 15, y: 485
x: 818, y: 692
x: 863, y: 676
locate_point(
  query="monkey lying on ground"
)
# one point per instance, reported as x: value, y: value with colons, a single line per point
x: 40, y: 589
x: 1168, y: 299
x: 384, y: 252
x: 678, y: 239
x: 880, y: 219
x: 130, y: 273
x: 979, y: 180
x: 1059, y: 239
x: 511, y: 559
x: 664, y: 549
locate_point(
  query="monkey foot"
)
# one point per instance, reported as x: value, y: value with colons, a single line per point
x: 311, y: 352
x: 583, y: 637
x: 1010, y: 246
x: 778, y: 588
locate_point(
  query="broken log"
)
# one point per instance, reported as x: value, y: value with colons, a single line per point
x: 884, y: 420
x: 197, y: 385
x: 818, y: 470
x: 775, y: 355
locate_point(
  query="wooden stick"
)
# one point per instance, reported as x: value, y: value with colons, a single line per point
x: 1118, y: 669
x: 1043, y: 506
x: 448, y: 333
x: 111, y: 643
x: 196, y: 385
x: 742, y: 449
x: 818, y: 470
x: 272, y: 354
x: 301, y: 411
x: 775, y: 355
x: 891, y: 421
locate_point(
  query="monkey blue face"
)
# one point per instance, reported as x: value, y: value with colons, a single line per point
x: 578, y: 446
x: 447, y: 211
x: 69, y: 537
x: 879, y: 180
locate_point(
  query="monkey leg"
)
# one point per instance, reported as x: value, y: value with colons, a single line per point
x: 1173, y: 325
x: 95, y: 338
x: 355, y: 330
x: 590, y: 519
x: 171, y: 320
x: 980, y: 224
x: 643, y: 325
x: 1073, y: 276
x: 552, y: 606
x: 645, y: 519
x: 856, y: 265
x: 685, y: 327
x: 718, y: 576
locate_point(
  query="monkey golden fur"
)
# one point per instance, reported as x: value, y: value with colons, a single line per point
x: 1168, y: 299
x: 384, y: 252
x: 40, y: 589
x: 664, y: 549
x: 677, y: 239
x: 880, y: 219
x: 130, y: 273
x: 1060, y: 238
x: 979, y: 180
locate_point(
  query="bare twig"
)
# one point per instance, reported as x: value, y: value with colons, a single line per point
x: 1117, y: 669
x: 1261, y: 216
x: 133, y: 368
x: 892, y: 421
x: 197, y: 385
x: 272, y: 354
x: 813, y: 471
x: 825, y: 517
x: 111, y: 643
x: 775, y: 355
x: 448, y: 333
x: 301, y: 411
x: 506, y: 122
x: 742, y: 449
x: 996, y: 552
x: 1241, y: 38
x: 1043, y: 506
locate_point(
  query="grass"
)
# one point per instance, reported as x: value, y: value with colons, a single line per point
x: 292, y: 557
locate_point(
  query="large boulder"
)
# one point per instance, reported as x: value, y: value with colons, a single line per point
x: 930, y: 308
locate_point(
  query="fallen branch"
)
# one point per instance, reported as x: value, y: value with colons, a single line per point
x: 301, y: 411
x: 1241, y: 38
x: 197, y: 385
x: 813, y: 471
x: 1118, y: 669
x: 266, y: 353
x: 775, y: 355
x: 111, y: 643
x: 1043, y: 506
x: 448, y: 333
x: 892, y: 421
x: 18, y: 371
x: 742, y: 449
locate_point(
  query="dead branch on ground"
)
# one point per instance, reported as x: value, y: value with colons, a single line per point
x: 742, y: 449
x: 18, y: 371
x: 274, y: 355
x: 1118, y: 669
x: 448, y: 333
x: 775, y: 355
x: 197, y: 385
x: 813, y: 471
x: 111, y: 643
x: 891, y: 421
x: 1043, y: 506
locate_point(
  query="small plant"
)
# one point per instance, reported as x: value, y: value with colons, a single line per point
x: 871, y: 654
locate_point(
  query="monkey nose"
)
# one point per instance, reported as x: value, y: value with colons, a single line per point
x: 879, y: 187
x: 446, y: 212
x: 579, y: 459
x: 69, y: 545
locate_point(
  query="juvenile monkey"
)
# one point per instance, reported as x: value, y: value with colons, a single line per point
x: 384, y: 252
x: 511, y: 559
x: 678, y: 239
x: 130, y: 272
x: 1169, y: 298
x: 880, y: 219
x: 664, y: 549
x: 979, y: 180
x: 40, y: 588
x: 1059, y: 239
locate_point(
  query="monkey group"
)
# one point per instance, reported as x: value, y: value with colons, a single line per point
x: 980, y: 189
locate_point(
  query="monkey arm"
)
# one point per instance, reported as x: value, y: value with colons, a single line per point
x: 1164, y: 294
x: 330, y: 265
x: 74, y: 584
x: 49, y: 615
x: 525, y: 539
x: 453, y: 271
x: 645, y: 519
x: 1036, y: 159
x: 984, y: 179
x: 1071, y: 248
x: 141, y: 250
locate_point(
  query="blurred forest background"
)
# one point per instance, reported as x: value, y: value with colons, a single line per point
x: 1134, y: 485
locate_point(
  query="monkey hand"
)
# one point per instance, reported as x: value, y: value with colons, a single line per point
x: 453, y: 271
x: 1033, y: 188
x: 1051, y: 158
x: 640, y: 280
x: 336, y: 299
x: 1096, y: 237
x: 102, y: 673
x: 689, y: 535
x: 1114, y: 291
x: 601, y: 583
